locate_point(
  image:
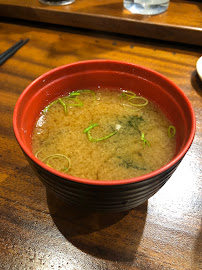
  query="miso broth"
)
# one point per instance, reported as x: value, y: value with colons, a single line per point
x: 103, y: 135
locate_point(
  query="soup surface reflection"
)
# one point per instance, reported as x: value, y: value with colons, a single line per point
x: 103, y: 135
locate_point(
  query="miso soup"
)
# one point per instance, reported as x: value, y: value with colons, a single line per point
x: 103, y: 135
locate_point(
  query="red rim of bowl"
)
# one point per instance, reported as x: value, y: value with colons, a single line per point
x: 161, y: 170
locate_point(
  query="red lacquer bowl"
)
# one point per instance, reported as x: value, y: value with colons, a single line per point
x: 115, y: 195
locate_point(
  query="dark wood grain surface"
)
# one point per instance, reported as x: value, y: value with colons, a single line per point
x: 182, y: 22
x: 39, y: 232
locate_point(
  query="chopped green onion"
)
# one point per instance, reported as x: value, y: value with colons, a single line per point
x: 36, y: 155
x: 69, y: 97
x: 100, y: 139
x: 74, y: 94
x: 63, y: 104
x: 171, y: 131
x: 138, y: 105
x: 91, y: 139
x: 144, y: 140
x: 48, y: 107
x: 130, y: 96
x: 90, y: 127
x: 47, y: 159
x: 86, y: 91
x: 79, y: 104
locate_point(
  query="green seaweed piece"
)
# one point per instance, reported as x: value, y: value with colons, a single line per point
x: 135, y: 120
x: 130, y: 124
x: 129, y: 164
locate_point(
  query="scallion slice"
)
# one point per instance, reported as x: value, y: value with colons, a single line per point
x: 131, y: 96
x: 47, y: 159
x: 63, y: 104
x: 171, y: 131
x: 48, y: 107
x: 144, y: 140
x: 91, y: 139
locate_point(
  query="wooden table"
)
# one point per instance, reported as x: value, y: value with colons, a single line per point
x: 39, y: 232
x: 182, y: 22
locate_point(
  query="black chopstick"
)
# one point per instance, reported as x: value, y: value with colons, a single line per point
x: 7, y: 54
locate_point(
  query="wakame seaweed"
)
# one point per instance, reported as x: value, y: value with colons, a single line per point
x: 129, y: 164
x: 131, y: 123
